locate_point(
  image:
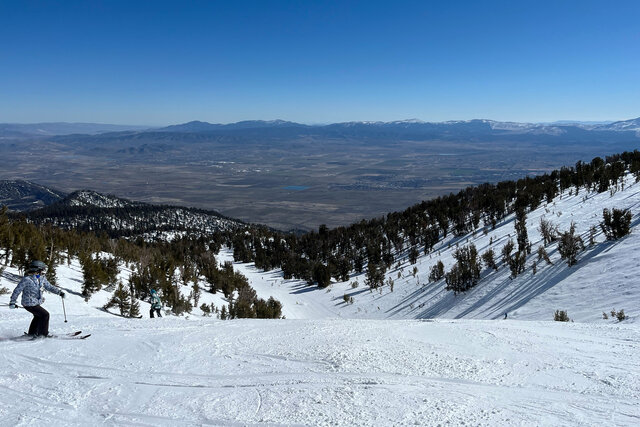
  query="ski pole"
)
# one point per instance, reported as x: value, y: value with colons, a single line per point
x: 64, y: 310
x: 17, y: 306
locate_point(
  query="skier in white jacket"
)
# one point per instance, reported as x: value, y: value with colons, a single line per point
x: 32, y: 286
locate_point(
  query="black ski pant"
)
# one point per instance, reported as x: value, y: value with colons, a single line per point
x: 157, y: 310
x: 40, y: 323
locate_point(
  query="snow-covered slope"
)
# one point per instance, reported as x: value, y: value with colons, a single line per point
x: 625, y: 125
x: 94, y: 199
x: 604, y: 278
x: 19, y: 195
x: 202, y: 371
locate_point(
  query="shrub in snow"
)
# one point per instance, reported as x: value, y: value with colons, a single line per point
x: 570, y: 245
x: 517, y: 263
x: 506, y: 251
x: 489, y: 259
x: 223, y: 313
x: 542, y: 255
x: 561, y: 316
x: 548, y: 231
x: 616, y: 223
x: 270, y: 309
x: 206, y: 310
x: 4, y: 291
x: 618, y: 315
x: 465, y: 273
x: 390, y: 283
x: 437, y: 272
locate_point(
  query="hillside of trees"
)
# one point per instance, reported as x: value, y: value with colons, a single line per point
x: 372, y: 246
x: 155, y: 265
x: 369, y: 246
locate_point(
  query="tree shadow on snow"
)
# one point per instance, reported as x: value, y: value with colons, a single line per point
x: 532, y: 287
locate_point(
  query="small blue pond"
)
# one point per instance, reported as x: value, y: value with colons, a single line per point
x: 296, y: 187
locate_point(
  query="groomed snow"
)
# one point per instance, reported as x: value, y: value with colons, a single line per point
x: 202, y: 371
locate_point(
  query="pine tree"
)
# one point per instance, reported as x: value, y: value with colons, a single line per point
x: 51, y: 272
x: 466, y: 272
x: 616, y: 223
x: 521, y: 230
x: 437, y: 272
x: 548, y: 231
x: 506, y: 251
x: 122, y: 299
x: 489, y: 259
x: 413, y: 255
x: 570, y: 245
x: 375, y: 276
x: 134, y: 310
x: 517, y: 263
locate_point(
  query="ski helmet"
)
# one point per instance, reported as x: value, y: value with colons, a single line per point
x: 36, y: 266
x: 153, y: 291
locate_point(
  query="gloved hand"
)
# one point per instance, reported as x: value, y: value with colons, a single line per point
x: 62, y: 294
x: 12, y: 305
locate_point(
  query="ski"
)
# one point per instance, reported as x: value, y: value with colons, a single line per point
x: 72, y: 335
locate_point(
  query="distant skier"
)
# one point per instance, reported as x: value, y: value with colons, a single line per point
x: 32, y: 286
x: 505, y: 315
x: 156, y: 305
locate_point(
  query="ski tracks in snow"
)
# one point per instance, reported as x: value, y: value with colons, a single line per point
x: 326, y: 372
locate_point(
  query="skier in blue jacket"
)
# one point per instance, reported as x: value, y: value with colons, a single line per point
x: 32, y: 287
x: 156, y: 305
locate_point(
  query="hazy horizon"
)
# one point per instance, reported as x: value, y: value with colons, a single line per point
x: 559, y: 121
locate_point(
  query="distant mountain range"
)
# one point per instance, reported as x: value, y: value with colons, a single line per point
x: 412, y: 124
x: 413, y: 128
x: 19, y: 130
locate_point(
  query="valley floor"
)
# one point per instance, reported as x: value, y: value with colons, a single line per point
x: 204, y: 371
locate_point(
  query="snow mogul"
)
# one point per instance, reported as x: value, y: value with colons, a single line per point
x: 32, y: 287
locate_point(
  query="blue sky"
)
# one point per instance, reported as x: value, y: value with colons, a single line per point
x: 160, y: 62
